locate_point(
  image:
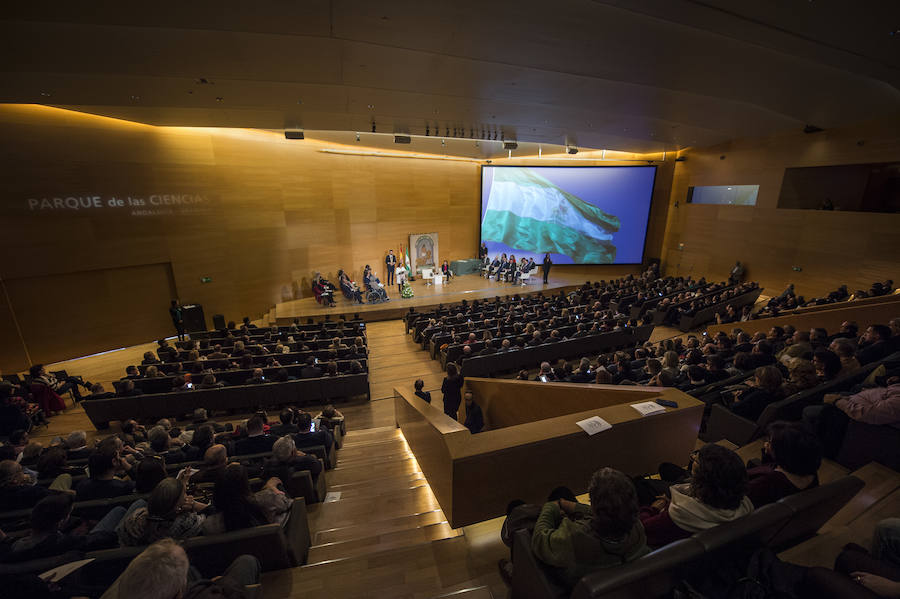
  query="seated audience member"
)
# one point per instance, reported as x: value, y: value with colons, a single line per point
x: 131, y: 372
x: 202, y: 439
x: 546, y: 373
x: 76, y: 446
x: 54, y: 462
x: 169, y: 512
x: 827, y: 364
x: 331, y: 419
x: 147, y: 473
x: 149, y: 359
x: 256, y: 440
x: 209, y: 382
x: 215, y: 458
x: 256, y: 377
x: 715, y: 369
x: 306, y: 437
x: 134, y: 431
x: 40, y: 376
x: 875, y: 344
x: 424, y: 395
x: 98, y: 391
x: 715, y: 494
x: 696, y: 376
x: 791, y: 460
x: 46, y: 539
x: 161, y: 572
x: 877, y: 406
x: 103, y: 484
x: 287, y: 426
x: 802, y: 377
x: 474, y: 416
x: 286, y: 458
x: 127, y: 389
x: 236, y: 507
x: 310, y: 371
x: 17, y: 490
x: 158, y: 437
x: 583, y: 374
x: 846, y: 352
x: 764, y: 389
x: 180, y: 383
x: 576, y: 539
x: 603, y: 377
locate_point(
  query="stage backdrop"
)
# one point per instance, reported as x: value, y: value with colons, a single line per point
x: 423, y: 249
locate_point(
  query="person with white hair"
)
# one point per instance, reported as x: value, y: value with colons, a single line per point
x: 162, y: 571
x: 76, y: 446
x: 287, y: 459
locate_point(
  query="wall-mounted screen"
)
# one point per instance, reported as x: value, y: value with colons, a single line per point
x: 581, y: 215
x: 726, y: 195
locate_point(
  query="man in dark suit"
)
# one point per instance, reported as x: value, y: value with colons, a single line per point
x: 490, y: 347
x: 131, y: 372
x: 536, y: 339
x: 177, y: 315
x: 255, y: 441
x: 425, y: 395
x: 310, y: 371
x: 217, y: 354
x: 390, y: 263
x: 307, y: 438
x: 474, y: 416
x: 165, y: 351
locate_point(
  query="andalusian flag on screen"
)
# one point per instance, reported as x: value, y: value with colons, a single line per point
x: 528, y: 212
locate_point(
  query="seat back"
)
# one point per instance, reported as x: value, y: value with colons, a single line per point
x: 813, y: 508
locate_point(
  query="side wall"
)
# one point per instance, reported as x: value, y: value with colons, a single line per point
x: 831, y: 248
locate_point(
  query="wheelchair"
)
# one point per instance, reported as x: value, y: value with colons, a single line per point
x: 376, y: 296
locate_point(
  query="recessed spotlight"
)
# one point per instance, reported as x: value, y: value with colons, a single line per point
x: 371, y: 106
x: 299, y: 101
x: 45, y: 94
x: 220, y: 99
x: 135, y: 98
x: 357, y: 137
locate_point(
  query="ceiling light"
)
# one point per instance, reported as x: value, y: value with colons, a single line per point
x: 135, y: 98
x: 371, y: 106
x: 220, y: 99
x: 45, y: 94
x: 357, y: 137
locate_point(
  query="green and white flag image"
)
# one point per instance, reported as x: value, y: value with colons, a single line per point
x: 527, y: 212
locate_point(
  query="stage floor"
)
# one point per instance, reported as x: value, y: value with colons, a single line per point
x: 468, y: 287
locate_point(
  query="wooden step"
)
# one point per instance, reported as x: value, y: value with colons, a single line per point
x: 350, y: 473
x: 356, y: 531
x: 378, y: 487
x: 880, y: 481
x: 380, y: 542
x: 482, y: 592
x: 383, y: 506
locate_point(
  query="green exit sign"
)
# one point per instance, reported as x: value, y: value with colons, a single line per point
x: 206, y: 279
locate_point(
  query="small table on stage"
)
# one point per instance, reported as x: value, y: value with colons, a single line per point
x: 438, y: 279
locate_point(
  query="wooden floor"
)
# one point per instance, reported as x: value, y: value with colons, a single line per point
x: 386, y: 535
x: 466, y: 287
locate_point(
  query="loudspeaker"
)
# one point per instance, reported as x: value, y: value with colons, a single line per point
x: 194, y: 321
x: 510, y: 145
x: 402, y: 139
x: 293, y: 134
x: 219, y: 322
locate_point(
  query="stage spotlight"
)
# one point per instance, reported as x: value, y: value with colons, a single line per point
x: 571, y: 149
x: 373, y: 126
x: 357, y: 137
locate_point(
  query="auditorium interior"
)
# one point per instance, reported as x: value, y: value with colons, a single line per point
x: 203, y: 339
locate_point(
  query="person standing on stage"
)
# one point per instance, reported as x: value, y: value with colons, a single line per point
x: 177, y: 314
x: 547, y: 264
x: 401, y: 279
x: 391, y: 262
x: 483, y: 251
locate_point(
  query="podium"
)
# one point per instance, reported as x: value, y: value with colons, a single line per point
x: 194, y: 320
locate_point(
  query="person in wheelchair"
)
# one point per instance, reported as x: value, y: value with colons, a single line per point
x: 374, y: 287
x: 349, y: 288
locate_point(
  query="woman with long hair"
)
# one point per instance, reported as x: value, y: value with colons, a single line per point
x: 236, y: 505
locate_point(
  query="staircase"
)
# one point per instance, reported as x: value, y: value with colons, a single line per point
x: 386, y: 534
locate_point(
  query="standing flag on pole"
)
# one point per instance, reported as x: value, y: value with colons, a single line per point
x: 408, y: 269
x: 528, y: 212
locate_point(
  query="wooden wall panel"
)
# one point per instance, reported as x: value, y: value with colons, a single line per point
x: 276, y: 210
x: 831, y: 248
x: 60, y: 312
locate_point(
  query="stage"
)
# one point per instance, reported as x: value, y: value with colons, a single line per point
x: 465, y: 287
